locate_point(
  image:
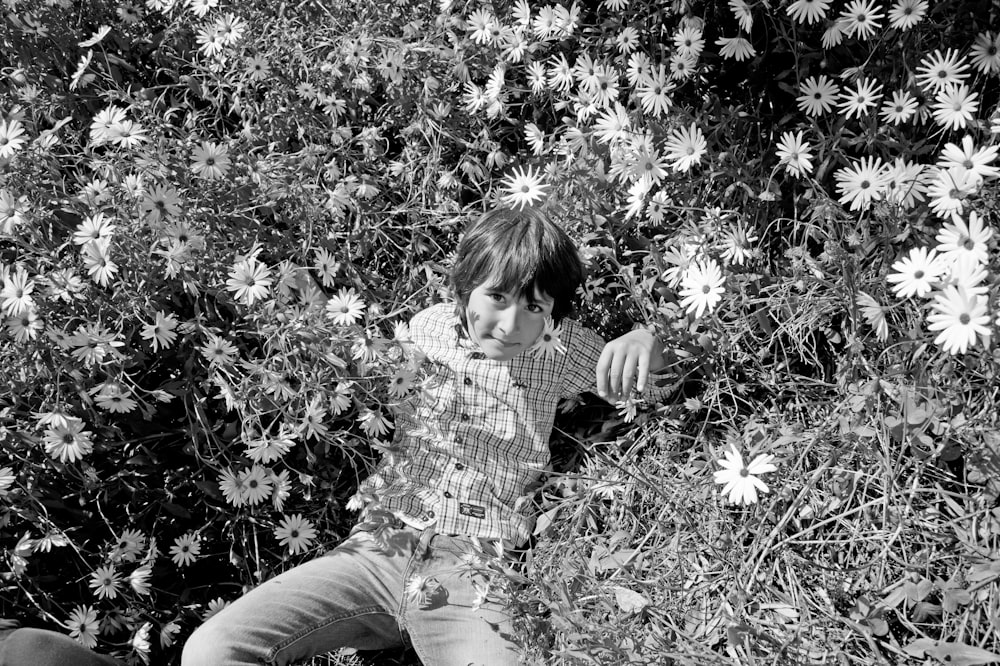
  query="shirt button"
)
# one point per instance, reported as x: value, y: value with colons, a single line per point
x: 429, y: 514
x: 459, y: 466
x: 468, y: 381
x: 465, y: 417
x: 479, y: 356
x: 447, y: 494
x: 458, y: 439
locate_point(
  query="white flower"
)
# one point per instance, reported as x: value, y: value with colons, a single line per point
x: 295, y: 532
x: 961, y: 317
x: 346, y: 308
x: 548, y: 343
x: 523, y: 188
x: 741, y: 482
x: 702, y: 287
x: 916, y: 273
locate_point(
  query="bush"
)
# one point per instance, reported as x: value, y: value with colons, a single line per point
x: 215, y: 221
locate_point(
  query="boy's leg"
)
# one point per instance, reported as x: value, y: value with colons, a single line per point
x: 448, y: 620
x: 38, y: 647
x: 347, y: 598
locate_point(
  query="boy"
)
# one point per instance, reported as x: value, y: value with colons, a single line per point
x: 452, y: 489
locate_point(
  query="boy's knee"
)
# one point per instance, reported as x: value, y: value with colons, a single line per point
x: 39, y: 647
x: 210, y: 645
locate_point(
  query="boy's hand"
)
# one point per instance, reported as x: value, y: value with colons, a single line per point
x: 625, y: 363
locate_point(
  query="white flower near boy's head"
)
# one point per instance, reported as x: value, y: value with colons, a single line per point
x: 741, y: 482
x: 549, y: 343
x: 524, y: 187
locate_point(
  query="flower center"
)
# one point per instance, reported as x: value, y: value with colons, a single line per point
x: 744, y: 472
x: 706, y: 289
x: 918, y: 274
x: 964, y: 318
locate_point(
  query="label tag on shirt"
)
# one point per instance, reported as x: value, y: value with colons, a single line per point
x: 471, y: 510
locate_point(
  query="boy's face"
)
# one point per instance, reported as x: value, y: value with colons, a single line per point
x: 504, y: 324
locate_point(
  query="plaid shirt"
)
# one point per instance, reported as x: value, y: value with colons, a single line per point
x: 464, y: 458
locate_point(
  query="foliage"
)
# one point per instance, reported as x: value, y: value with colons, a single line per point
x: 215, y: 221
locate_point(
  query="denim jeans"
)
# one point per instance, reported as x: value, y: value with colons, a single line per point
x: 385, y: 586
x: 39, y: 647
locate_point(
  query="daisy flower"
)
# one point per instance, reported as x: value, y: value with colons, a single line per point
x: 949, y: 189
x: 210, y: 160
x: 808, y: 11
x: 535, y: 138
x: 741, y: 11
x: 874, y: 314
x: 128, y: 546
x: 523, y: 188
x: 976, y: 161
x: 83, y: 626
x: 939, y: 70
x: 560, y: 74
x: 654, y: 92
x: 160, y: 333
x: 985, y: 52
x: 858, y: 102
x: 738, y: 48
x: 959, y: 242
x: 327, y: 266
x: 689, y: 40
x: 346, y: 308
x: 900, y: 108
x: 481, y: 24
x: 97, y: 261
x: 961, y: 317
x: 682, y: 66
x: 905, y: 14
x: 967, y: 275
x: 955, y: 106
x: 903, y: 183
x: 202, y: 7
x: 793, y: 152
x: 24, y: 327
x: 342, y: 397
x: 916, y: 273
x: 833, y: 35
x: 702, y: 287
x: 267, y: 448
x: 741, y: 482
x: 282, y: 489
x: 612, y: 126
x: 401, y: 382
x: 11, y: 211
x: 217, y: 350
x: 258, y: 68
x: 549, y: 343
x: 685, y: 147
x: 257, y: 483
x: 68, y: 441
x: 637, y: 68
x: 11, y: 138
x: 7, y: 479
x: 127, y: 134
x: 627, y: 40
x: 645, y: 165
x: 15, y: 298
x: 861, y: 19
x: 112, y: 397
x: 95, y: 227
x: 232, y: 487
x: 818, y: 95
x: 295, y: 532
x: 537, y: 78
x: 738, y: 245
x: 185, y: 550
x: 105, y: 582
x: 249, y: 280
x: 230, y: 28
x: 374, y: 423
x: 160, y: 202
x: 861, y: 183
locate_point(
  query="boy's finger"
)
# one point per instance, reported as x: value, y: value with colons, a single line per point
x: 628, y: 375
x: 643, y: 374
x: 602, y: 372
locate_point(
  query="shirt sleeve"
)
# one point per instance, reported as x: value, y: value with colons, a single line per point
x: 583, y: 351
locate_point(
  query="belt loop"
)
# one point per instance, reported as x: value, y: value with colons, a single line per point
x: 422, y: 549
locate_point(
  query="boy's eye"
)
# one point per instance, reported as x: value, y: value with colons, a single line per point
x: 535, y: 307
x: 497, y: 297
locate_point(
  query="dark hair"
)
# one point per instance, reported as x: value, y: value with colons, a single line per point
x: 518, y: 251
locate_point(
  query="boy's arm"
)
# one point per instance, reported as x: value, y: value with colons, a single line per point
x: 626, y: 363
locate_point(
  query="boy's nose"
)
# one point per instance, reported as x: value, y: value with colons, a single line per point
x: 510, y: 321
